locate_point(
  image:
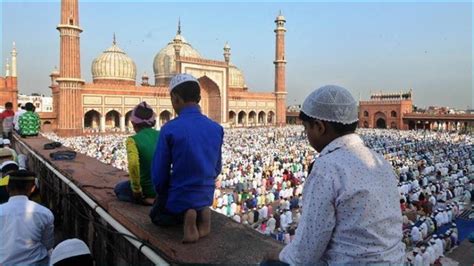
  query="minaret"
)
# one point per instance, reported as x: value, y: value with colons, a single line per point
x: 177, y: 45
x: 10, y: 93
x: 7, y: 69
x: 227, y: 53
x: 13, y: 67
x: 69, y: 112
x: 280, y: 63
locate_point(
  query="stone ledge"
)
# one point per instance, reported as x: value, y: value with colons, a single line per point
x: 228, y: 242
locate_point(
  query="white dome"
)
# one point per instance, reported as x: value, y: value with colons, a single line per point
x: 114, y: 64
x: 164, y: 64
x: 236, y: 78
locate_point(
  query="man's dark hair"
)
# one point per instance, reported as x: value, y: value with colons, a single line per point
x: 9, y: 105
x: 189, y: 91
x: 7, y: 169
x: 144, y: 113
x: 19, y: 185
x: 339, y: 128
x: 81, y: 260
x: 29, y: 107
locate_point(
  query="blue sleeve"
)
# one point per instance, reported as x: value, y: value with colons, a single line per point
x: 160, y: 167
x: 219, y: 158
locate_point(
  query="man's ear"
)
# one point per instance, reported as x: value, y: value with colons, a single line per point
x: 320, y: 127
x: 175, y: 98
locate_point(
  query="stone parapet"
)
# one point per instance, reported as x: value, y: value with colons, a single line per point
x: 229, y: 242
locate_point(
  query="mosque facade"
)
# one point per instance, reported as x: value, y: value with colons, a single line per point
x: 105, y: 104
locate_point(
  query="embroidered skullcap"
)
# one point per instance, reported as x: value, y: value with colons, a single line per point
x: 67, y: 249
x: 143, y: 113
x: 6, y: 142
x: 181, y: 78
x: 331, y: 103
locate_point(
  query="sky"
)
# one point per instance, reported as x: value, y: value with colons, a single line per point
x: 364, y: 46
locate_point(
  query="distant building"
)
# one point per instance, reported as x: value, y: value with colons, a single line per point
x: 385, y: 110
x: 41, y: 102
x: 396, y: 111
x: 292, y: 114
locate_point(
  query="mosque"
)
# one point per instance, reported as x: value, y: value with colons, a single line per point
x: 105, y: 104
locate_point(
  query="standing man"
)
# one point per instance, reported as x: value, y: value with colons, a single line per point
x: 21, y: 110
x: 351, y: 212
x: 7, y: 117
x: 187, y: 160
x: 27, y: 228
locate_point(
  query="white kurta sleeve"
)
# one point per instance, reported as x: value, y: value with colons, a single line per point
x: 316, y: 223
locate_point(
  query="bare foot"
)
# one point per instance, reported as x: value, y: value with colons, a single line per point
x: 191, y: 233
x: 148, y: 201
x: 204, y: 222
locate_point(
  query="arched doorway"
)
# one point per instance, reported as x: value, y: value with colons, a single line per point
x: 112, y: 119
x: 253, y: 118
x: 261, y: 118
x: 271, y: 118
x: 92, y: 119
x: 210, y: 99
x: 232, y: 117
x: 47, y: 127
x: 128, y: 123
x: 411, y: 125
x: 380, y: 123
x: 165, y: 116
x: 380, y: 120
x: 242, y: 119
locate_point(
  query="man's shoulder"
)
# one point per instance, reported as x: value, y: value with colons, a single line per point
x: 38, y: 208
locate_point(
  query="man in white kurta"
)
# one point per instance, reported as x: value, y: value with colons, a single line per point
x: 351, y: 211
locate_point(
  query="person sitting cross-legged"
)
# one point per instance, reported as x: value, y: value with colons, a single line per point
x: 140, y: 150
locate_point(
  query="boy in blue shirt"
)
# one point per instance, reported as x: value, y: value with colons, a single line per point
x: 186, y: 162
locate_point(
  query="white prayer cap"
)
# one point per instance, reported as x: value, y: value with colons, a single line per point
x: 6, y: 142
x: 181, y: 78
x: 67, y: 249
x: 331, y: 103
x: 417, y: 250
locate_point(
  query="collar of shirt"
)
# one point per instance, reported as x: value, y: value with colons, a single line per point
x: 190, y: 110
x: 18, y: 198
x: 346, y: 140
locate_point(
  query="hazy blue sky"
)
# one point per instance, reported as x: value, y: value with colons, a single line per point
x: 364, y: 46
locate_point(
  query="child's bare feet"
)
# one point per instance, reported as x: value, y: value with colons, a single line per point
x: 204, y: 222
x: 191, y: 233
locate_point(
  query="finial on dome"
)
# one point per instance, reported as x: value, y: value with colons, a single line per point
x: 179, y: 26
x: 114, y: 40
